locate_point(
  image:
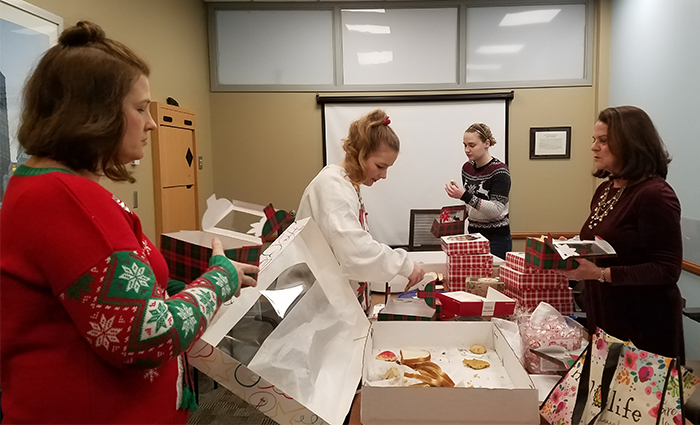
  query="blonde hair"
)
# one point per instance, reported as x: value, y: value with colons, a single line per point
x: 365, y: 136
x: 483, y: 131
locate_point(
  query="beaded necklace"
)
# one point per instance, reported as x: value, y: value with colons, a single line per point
x: 604, y: 206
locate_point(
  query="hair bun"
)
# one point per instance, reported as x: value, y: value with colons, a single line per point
x: 84, y: 32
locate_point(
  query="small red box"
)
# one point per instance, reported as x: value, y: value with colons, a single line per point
x: 516, y: 261
x: 461, y: 303
x: 540, y: 281
x: 458, y: 214
x: 468, y: 244
x: 474, y: 261
x: 562, y: 299
x: 456, y: 277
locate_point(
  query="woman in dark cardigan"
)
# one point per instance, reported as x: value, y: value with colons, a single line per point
x: 634, y: 296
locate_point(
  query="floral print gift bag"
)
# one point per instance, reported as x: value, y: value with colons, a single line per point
x: 644, y: 382
x: 564, y: 403
x: 605, y: 351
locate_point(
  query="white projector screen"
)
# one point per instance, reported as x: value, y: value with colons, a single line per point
x: 431, y: 154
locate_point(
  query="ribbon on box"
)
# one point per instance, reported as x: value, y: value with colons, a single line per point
x: 277, y: 222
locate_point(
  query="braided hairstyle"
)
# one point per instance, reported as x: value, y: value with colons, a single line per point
x: 365, y: 136
x: 72, y: 103
x: 483, y: 131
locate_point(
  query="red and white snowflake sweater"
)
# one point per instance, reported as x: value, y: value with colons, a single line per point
x: 87, y: 333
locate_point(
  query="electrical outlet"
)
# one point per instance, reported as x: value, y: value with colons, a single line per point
x: 201, y: 162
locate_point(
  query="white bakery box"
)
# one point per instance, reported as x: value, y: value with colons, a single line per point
x: 295, y: 346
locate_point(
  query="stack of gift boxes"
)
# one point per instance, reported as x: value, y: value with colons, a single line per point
x: 468, y: 256
x: 529, y: 286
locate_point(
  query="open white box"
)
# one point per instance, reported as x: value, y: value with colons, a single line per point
x: 458, y: 405
x: 309, y: 365
x: 187, y: 252
x: 217, y: 209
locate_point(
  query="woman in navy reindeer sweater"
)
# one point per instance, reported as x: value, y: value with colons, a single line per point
x: 486, y: 187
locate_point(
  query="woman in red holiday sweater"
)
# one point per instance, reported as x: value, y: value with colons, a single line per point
x: 88, y: 334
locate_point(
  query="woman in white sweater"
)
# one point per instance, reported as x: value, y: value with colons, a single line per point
x: 334, y: 202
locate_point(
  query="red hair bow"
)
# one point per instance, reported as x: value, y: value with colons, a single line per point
x: 387, y: 121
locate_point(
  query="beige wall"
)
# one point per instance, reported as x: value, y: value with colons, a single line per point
x: 269, y: 146
x: 266, y: 147
x: 171, y: 36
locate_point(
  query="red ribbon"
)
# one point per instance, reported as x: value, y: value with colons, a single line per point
x: 387, y: 121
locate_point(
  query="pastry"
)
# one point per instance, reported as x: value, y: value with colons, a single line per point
x: 393, y: 372
x: 388, y: 356
x: 476, y: 363
x: 478, y: 349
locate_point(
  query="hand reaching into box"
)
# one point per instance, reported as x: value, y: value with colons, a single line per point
x: 241, y: 268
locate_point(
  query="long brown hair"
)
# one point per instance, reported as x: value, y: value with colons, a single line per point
x: 635, y: 143
x: 365, y: 136
x: 72, y: 110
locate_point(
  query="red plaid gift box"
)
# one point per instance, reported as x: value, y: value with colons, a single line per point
x: 475, y: 261
x: 562, y: 299
x: 471, y: 243
x: 187, y: 261
x: 541, y: 256
x: 441, y: 227
x: 516, y: 261
x: 456, y: 277
x: 547, y: 281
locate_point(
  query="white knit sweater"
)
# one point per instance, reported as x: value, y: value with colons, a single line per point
x: 332, y: 202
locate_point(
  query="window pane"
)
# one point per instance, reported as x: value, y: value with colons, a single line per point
x: 274, y: 47
x: 399, y: 46
x: 526, y: 43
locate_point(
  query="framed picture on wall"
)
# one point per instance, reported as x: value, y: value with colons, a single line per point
x: 26, y: 32
x: 550, y: 142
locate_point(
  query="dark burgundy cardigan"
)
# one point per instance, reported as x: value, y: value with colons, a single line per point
x: 643, y: 303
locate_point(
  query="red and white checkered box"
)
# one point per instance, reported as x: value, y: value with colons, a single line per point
x: 516, y: 261
x: 541, y: 281
x: 456, y: 277
x: 475, y: 261
x: 561, y: 299
x: 471, y: 243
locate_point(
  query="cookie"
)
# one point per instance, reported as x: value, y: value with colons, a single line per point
x: 388, y: 356
x: 476, y: 363
x: 478, y: 349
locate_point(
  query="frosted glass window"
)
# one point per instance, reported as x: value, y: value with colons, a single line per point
x: 400, y: 46
x: 526, y: 43
x: 274, y: 47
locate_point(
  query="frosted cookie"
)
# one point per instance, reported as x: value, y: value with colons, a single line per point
x: 388, y: 356
x: 476, y: 363
x: 478, y: 349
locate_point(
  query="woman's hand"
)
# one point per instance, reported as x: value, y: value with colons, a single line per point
x: 454, y: 191
x: 585, y: 271
x: 241, y: 268
x: 416, y: 276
